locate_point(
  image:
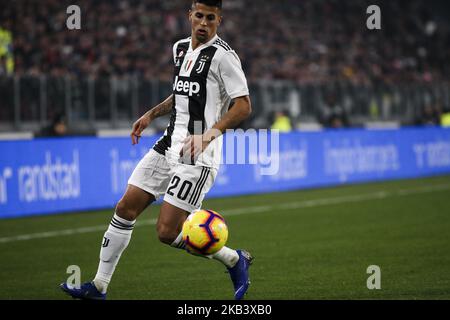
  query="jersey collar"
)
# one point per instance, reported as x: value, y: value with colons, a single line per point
x: 200, y: 47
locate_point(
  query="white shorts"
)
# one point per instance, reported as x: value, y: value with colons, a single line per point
x: 183, y: 186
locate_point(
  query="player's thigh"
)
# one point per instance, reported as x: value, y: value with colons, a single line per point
x: 146, y: 184
x: 133, y: 202
x: 188, y: 186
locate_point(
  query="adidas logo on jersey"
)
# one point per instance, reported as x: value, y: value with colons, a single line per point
x: 185, y: 87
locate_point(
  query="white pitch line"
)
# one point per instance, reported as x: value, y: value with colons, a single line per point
x: 379, y: 195
x: 67, y: 232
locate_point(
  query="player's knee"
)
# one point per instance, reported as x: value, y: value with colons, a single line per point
x: 166, y: 235
x: 124, y: 211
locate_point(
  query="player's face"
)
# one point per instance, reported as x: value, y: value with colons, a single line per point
x: 204, y: 21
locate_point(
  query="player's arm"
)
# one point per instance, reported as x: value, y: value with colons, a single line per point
x: 241, y: 110
x: 160, y: 110
x: 230, y: 71
x: 233, y: 78
x: 196, y: 144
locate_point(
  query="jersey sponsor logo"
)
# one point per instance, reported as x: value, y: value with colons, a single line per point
x: 185, y: 87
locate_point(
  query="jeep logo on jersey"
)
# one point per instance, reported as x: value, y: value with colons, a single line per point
x: 185, y: 87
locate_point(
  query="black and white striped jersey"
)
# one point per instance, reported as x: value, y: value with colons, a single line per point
x: 205, y: 81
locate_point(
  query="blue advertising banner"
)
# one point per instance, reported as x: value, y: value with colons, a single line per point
x: 44, y: 176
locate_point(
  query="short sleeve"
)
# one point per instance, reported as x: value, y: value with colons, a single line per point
x: 174, y: 50
x: 232, y: 75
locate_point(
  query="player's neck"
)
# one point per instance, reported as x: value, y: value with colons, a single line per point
x: 196, y: 43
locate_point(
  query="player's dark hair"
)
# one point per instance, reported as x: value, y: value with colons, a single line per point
x: 210, y: 3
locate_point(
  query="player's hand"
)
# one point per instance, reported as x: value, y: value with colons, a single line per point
x: 193, y: 146
x: 138, y: 127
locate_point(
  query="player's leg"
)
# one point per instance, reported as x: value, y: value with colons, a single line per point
x: 118, y: 235
x: 169, y: 225
x: 185, y: 194
x: 148, y: 181
x: 115, y: 241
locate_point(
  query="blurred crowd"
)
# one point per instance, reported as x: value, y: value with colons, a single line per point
x: 303, y: 41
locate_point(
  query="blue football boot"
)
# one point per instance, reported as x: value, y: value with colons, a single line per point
x: 239, y: 274
x: 87, y: 291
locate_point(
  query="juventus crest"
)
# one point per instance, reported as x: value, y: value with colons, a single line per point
x: 202, y: 62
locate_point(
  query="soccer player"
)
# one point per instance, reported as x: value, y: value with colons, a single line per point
x: 183, y: 164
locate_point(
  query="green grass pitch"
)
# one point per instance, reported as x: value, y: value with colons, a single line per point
x: 310, y: 244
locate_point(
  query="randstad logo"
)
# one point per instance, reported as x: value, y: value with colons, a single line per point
x: 185, y: 87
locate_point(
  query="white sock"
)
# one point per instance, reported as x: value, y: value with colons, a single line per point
x: 227, y: 256
x: 115, y: 241
x: 178, y: 242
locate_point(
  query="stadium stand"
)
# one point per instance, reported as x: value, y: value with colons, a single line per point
x: 295, y: 53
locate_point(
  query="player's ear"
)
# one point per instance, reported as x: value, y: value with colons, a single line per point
x: 190, y: 15
x: 220, y: 20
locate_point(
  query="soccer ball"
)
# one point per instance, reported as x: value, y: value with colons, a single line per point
x: 204, y: 232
